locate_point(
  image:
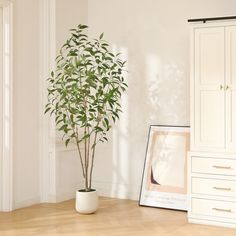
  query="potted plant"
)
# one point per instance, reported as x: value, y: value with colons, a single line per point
x: 84, y: 94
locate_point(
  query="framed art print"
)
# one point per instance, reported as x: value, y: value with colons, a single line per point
x: 164, y: 182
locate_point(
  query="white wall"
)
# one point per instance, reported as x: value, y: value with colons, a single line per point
x: 153, y: 36
x: 25, y: 102
x: 69, y: 14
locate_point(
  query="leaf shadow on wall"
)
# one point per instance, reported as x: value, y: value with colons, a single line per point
x: 156, y: 96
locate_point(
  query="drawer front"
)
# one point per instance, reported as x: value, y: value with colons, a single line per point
x: 216, y: 166
x: 216, y: 187
x: 213, y: 208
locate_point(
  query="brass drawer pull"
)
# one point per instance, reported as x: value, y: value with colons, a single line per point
x: 222, y: 167
x: 224, y: 189
x: 224, y: 210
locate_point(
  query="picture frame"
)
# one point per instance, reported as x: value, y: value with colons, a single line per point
x: 164, y: 181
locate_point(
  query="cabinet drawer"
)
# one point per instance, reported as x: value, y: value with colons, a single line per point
x: 217, y: 187
x: 216, y: 166
x: 213, y: 208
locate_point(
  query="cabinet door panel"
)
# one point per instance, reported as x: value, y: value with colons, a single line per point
x: 209, y: 127
x: 211, y: 118
x: 231, y: 88
x: 211, y: 56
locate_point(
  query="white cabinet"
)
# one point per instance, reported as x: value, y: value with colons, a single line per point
x: 214, y: 81
x: 212, y: 160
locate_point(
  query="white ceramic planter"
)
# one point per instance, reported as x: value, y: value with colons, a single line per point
x: 86, y: 202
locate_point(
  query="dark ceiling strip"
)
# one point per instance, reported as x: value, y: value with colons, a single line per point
x: 204, y: 20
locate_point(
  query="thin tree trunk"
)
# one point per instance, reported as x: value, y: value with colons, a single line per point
x: 92, y: 161
x: 85, y: 161
x: 80, y: 157
x: 88, y: 157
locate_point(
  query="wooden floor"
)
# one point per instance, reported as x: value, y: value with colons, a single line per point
x: 114, y: 217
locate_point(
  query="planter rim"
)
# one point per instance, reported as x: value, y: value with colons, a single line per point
x: 83, y: 191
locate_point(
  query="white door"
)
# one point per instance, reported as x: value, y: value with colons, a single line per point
x: 5, y: 106
x: 230, y: 87
x: 1, y: 108
x: 209, y: 119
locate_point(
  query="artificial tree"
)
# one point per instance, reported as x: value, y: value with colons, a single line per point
x: 84, y: 94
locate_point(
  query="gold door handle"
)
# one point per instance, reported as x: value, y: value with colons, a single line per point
x: 222, y: 167
x: 223, y: 210
x: 221, y: 87
x: 223, y: 189
x: 227, y: 87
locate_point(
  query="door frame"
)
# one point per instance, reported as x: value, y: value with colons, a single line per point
x: 47, y: 165
x: 6, y: 108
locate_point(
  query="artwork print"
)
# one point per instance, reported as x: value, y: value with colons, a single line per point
x: 164, y: 182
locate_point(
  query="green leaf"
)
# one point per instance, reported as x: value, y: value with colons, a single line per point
x: 47, y: 110
x: 105, y: 45
x: 82, y: 26
x: 63, y: 127
x: 106, y: 121
x: 67, y: 142
x: 105, y: 139
x: 58, y: 122
x: 86, y: 136
x: 101, y: 36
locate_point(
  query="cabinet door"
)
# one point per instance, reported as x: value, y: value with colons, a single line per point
x: 209, y: 105
x: 230, y: 87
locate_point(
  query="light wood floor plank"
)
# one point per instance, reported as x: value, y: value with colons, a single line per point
x: 114, y: 217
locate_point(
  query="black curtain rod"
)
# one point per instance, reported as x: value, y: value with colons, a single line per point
x: 204, y: 20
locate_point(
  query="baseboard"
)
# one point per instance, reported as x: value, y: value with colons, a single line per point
x: 63, y: 196
x: 105, y: 189
x: 60, y: 197
x: 26, y: 202
x: 117, y: 190
x: 211, y: 222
